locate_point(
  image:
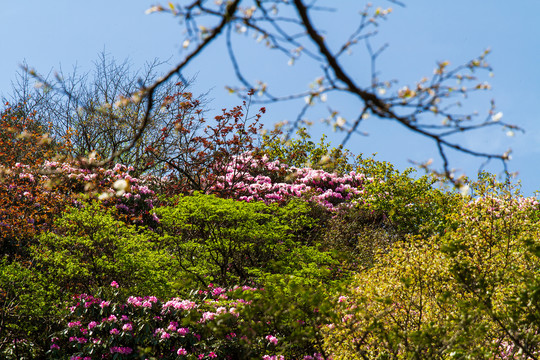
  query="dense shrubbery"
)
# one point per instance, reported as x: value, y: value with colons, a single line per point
x: 291, y: 250
x: 467, y: 292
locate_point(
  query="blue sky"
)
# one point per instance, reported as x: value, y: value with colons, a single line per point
x: 61, y: 33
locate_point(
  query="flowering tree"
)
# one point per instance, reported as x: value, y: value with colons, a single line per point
x: 427, y: 108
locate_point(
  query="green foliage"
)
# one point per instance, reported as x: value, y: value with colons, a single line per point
x: 294, y: 310
x: 90, y: 249
x: 86, y: 251
x: 28, y: 310
x: 411, y: 205
x: 233, y: 242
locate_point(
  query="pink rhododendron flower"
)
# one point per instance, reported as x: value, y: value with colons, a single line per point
x: 121, y: 350
x: 207, y: 316
x: 183, y: 331
x: 271, y: 339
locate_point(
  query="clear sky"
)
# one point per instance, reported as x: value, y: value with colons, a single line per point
x: 60, y: 33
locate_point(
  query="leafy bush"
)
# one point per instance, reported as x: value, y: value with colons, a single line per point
x: 89, y: 249
x: 207, y: 324
x: 469, y: 292
x: 28, y: 310
x: 411, y: 205
x: 229, y: 242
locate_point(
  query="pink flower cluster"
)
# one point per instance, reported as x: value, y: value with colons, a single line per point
x: 271, y: 339
x: 121, y: 350
x: 119, y: 324
x: 145, y: 302
x: 270, y: 181
x: 178, y: 303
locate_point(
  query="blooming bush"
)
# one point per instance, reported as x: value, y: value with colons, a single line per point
x: 207, y: 325
x: 251, y: 178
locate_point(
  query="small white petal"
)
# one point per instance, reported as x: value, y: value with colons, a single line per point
x: 104, y: 196
x: 340, y: 121
x: 153, y: 9
x: 498, y: 116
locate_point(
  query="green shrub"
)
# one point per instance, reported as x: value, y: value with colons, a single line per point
x: 411, y: 205
x: 28, y: 310
x: 90, y: 249
x: 233, y: 242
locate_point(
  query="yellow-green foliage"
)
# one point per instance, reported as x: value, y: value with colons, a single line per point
x: 228, y: 242
x: 470, y: 292
x: 91, y: 249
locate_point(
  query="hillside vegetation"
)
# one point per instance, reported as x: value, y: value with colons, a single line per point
x: 276, y: 250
